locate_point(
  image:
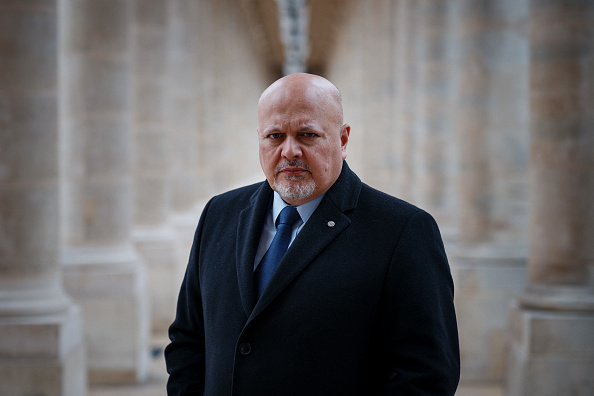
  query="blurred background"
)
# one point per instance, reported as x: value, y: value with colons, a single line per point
x: 120, y: 118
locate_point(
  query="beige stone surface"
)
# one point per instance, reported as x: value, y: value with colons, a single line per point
x: 486, y: 283
x: 160, y: 248
x: 111, y: 287
x: 154, y: 385
x: 552, y: 325
x: 546, y: 346
x: 41, y: 343
x: 43, y: 353
x: 153, y: 235
x: 181, y: 102
x: 436, y: 141
x: 102, y: 271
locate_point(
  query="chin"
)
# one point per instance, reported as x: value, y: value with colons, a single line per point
x: 295, y: 190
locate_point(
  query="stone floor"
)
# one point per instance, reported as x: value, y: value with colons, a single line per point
x: 155, y: 386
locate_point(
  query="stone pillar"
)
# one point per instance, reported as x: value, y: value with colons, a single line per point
x: 182, y: 121
x: 103, y: 271
x: 408, y: 98
x: 229, y: 94
x: 436, y: 139
x: 206, y: 100
x: 41, y: 342
x: 378, y: 92
x: 400, y: 44
x: 181, y: 103
x: 552, y: 325
x: 344, y: 68
x: 237, y: 101
x: 216, y: 73
x: 154, y: 237
x: 488, y: 260
x: 363, y: 68
x: 474, y: 85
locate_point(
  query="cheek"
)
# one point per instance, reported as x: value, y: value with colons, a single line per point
x: 267, y: 157
x: 328, y: 163
x: 324, y: 158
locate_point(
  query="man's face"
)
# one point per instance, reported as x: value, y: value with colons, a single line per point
x: 302, y: 142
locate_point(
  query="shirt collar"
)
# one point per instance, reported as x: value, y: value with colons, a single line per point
x: 305, y: 210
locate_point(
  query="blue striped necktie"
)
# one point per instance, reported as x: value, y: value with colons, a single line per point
x: 287, y: 217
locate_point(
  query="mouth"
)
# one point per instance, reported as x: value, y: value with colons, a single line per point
x: 292, y: 171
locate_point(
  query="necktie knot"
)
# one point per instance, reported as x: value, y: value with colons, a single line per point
x: 289, y: 215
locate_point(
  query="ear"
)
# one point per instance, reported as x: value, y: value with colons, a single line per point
x: 345, y: 131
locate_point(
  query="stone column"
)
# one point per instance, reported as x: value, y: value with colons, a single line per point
x: 474, y: 85
x: 181, y: 103
x: 344, y: 69
x: 229, y: 92
x: 400, y: 42
x: 103, y: 271
x: 488, y: 260
x: 378, y: 92
x: 237, y: 101
x: 552, y: 325
x: 436, y: 139
x: 363, y: 67
x: 182, y: 121
x: 206, y: 103
x: 408, y: 98
x: 41, y: 342
x: 154, y: 237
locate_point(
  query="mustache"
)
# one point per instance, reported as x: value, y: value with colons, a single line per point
x: 292, y: 164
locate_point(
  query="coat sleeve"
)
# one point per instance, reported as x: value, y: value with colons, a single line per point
x: 184, y: 356
x: 418, y: 315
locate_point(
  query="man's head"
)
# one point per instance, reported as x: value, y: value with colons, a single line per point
x: 301, y: 136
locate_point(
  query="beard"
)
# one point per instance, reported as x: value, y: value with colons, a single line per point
x: 294, y: 187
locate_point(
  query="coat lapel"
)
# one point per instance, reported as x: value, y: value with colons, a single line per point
x: 325, y: 224
x: 251, y: 221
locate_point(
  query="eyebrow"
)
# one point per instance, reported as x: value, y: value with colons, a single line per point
x: 274, y: 128
x: 306, y: 127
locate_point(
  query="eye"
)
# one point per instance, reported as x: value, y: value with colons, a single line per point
x: 275, y: 135
x: 309, y: 135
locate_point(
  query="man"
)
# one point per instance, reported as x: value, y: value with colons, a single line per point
x: 361, y: 303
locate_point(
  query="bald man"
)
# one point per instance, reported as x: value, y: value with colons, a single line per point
x: 311, y: 282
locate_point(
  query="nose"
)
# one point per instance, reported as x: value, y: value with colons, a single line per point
x: 291, y: 148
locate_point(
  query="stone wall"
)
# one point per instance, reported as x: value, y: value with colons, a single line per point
x: 480, y: 113
x: 118, y: 120
x: 41, y: 329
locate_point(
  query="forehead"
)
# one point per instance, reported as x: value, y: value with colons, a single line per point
x: 284, y: 106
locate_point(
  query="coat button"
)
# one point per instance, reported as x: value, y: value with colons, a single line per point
x: 245, y: 348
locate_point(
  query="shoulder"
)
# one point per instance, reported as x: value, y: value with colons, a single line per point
x: 230, y: 203
x: 373, y: 208
x: 223, y: 210
x: 239, y: 197
x: 385, y: 204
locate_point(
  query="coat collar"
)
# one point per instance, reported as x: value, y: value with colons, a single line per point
x: 325, y: 224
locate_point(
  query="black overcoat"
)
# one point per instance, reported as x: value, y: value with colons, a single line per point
x: 361, y: 303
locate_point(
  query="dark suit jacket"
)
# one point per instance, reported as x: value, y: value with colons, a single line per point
x: 359, y: 308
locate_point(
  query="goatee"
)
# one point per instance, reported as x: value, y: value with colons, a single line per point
x: 294, y: 187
